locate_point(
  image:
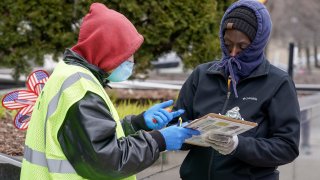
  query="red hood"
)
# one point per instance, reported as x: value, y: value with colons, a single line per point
x: 106, y: 38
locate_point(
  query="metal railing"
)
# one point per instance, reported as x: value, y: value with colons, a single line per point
x: 10, y: 160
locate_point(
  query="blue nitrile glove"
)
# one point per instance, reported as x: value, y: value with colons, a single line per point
x: 157, y: 117
x: 175, y: 136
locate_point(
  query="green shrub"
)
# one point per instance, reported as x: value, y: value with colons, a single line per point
x: 2, y: 113
x: 30, y: 29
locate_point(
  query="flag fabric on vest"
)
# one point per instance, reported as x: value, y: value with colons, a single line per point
x: 36, y: 78
x: 25, y: 99
x: 22, y: 121
x: 19, y: 99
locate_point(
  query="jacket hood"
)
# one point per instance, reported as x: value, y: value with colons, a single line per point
x: 106, y: 38
x: 255, y: 52
x: 244, y: 63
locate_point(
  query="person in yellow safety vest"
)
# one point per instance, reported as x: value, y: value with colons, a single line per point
x: 75, y: 131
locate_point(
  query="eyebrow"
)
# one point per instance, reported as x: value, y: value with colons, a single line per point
x: 240, y: 42
x: 244, y: 42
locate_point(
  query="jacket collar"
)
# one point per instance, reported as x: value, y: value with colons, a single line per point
x: 72, y: 58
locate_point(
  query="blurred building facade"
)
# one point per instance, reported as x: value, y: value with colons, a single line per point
x: 294, y: 21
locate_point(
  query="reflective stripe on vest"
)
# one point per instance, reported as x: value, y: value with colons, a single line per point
x: 53, y: 104
x: 53, y: 165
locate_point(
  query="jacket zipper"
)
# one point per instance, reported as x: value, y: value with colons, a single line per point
x: 223, y: 112
x: 228, y: 96
x: 210, y: 164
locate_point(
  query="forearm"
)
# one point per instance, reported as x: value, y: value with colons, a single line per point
x: 281, y: 144
x: 88, y: 139
x: 117, y: 158
x: 262, y: 152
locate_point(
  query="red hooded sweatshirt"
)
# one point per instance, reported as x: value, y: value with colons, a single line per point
x: 106, y: 38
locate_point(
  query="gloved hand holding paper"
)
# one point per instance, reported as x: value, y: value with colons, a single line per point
x: 224, y: 144
x: 218, y: 131
x: 175, y: 136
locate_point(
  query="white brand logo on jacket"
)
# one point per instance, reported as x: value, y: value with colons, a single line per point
x: 250, y: 98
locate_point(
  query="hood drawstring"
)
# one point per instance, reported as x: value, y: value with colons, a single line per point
x: 228, y: 62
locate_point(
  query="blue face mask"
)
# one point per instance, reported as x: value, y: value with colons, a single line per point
x: 122, y: 72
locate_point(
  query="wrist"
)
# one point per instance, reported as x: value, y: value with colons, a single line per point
x: 159, y: 138
x: 236, y: 145
x: 138, y: 122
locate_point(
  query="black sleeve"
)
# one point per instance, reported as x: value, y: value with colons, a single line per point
x: 185, y: 98
x: 133, y: 123
x: 282, y: 146
x: 185, y: 101
x: 88, y: 140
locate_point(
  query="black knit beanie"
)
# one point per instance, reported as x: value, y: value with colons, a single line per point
x: 242, y: 19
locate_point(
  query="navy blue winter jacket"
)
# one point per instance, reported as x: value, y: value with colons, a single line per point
x: 267, y: 96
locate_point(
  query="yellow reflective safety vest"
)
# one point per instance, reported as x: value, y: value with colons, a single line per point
x: 43, y: 158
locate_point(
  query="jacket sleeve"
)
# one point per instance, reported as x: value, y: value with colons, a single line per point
x: 88, y: 140
x: 185, y: 98
x: 185, y: 101
x: 282, y: 144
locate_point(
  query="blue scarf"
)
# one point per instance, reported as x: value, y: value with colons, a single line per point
x: 237, y: 69
x: 242, y: 65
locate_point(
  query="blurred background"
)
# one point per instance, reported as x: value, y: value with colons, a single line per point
x: 179, y: 35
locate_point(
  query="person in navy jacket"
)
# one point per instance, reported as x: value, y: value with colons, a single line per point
x: 262, y: 93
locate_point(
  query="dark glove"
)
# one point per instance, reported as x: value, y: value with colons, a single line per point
x: 157, y: 117
x: 175, y: 136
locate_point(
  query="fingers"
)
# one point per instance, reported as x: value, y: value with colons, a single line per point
x: 222, y: 143
x: 175, y: 136
x: 167, y: 115
x: 164, y: 118
x: 160, y: 121
x: 189, y: 132
x: 218, y: 144
x: 219, y: 137
x: 177, y: 113
x: 184, y: 124
x: 171, y: 115
x: 192, y: 131
x: 166, y: 104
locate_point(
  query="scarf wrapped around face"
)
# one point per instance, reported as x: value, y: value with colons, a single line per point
x: 243, y: 64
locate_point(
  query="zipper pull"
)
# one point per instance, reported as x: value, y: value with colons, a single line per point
x: 229, y: 85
